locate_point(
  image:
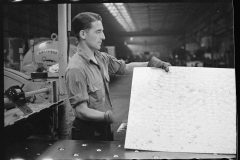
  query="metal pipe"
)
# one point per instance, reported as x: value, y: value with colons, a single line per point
x: 54, y: 92
x: 63, y: 109
x: 68, y: 28
x: 69, y: 17
x: 62, y: 47
x: 32, y: 48
x: 21, y: 58
x: 9, y: 104
x: 31, y: 93
x: 55, y: 108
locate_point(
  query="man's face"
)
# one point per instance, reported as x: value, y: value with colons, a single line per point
x: 95, y: 35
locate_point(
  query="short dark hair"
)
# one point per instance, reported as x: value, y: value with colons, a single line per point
x: 83, y: 21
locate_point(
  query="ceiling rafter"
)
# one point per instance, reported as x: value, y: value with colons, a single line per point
x: 131, y: 15
x: 166, y: 32
x: 158, y: 16
x: 166, y: 14
x: 149, y: 16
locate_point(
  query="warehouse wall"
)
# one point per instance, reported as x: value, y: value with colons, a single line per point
x: 27, y: 20
x: 213, y: 34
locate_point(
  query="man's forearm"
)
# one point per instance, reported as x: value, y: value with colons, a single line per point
x: 130, y: 66
x: 85, y: 113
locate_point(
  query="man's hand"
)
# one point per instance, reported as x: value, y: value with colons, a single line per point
x: 110, y: 117
x: 155, y: 62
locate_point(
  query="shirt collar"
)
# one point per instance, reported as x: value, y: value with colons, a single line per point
x: 86, y: 58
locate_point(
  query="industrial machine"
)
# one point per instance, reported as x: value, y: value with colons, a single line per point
x: 33, y: 103
x: 31, y: 83
x: 24, y: 98
x: 44, y: 54
x: 33, y: 96
x: 16, y: 78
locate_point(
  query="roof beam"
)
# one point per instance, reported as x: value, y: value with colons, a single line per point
x: 166, y: 15
x: 131, y: 15
x: 151, y: 33
x: 149, y: 16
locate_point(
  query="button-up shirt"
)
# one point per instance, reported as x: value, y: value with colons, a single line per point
x: 88, y: 81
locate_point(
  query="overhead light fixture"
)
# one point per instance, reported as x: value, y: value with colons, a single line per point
x: 119, y: 11
x: 44, y: 0
x: 15, y: 0
x: 75, y: 0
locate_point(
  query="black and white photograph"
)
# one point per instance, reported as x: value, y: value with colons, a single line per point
x: 104, y: 79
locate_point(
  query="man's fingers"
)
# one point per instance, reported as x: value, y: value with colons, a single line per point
x: 164, y: 65
x: 166, y: 69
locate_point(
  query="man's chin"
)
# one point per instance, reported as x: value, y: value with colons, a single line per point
x: 95, y: 49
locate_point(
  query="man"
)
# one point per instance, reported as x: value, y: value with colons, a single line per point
x: 87, y: 79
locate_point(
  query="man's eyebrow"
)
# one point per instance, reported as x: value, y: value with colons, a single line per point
x: 99, y: 30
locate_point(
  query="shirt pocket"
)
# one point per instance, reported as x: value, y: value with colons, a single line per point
x: 96, y: 92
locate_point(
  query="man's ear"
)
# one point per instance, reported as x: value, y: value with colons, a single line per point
x: 82, y: 34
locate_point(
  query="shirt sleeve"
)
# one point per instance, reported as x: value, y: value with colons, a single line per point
x: 116, y: 66
x: 77, y: 87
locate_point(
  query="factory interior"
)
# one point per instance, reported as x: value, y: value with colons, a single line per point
x: 38, y: 41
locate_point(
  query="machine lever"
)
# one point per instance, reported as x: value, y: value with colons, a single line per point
x: 17, y: 96
x: 24, y: 108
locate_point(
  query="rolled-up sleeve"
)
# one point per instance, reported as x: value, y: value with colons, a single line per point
x: 116, y: 66
x: 77, y: 87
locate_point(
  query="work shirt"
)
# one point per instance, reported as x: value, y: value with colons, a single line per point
x: 88, y: 81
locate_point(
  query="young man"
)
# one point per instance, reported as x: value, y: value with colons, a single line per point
x: 87, y: 79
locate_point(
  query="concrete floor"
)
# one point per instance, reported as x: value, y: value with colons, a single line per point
x: 120, y: 91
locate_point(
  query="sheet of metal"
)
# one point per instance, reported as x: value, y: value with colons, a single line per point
x: 72, y: 149
x: 188, y: 109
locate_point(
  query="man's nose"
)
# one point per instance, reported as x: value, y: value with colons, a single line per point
x: 102, y: 36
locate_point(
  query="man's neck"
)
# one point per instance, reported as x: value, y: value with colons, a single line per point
x: 86, y: 50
